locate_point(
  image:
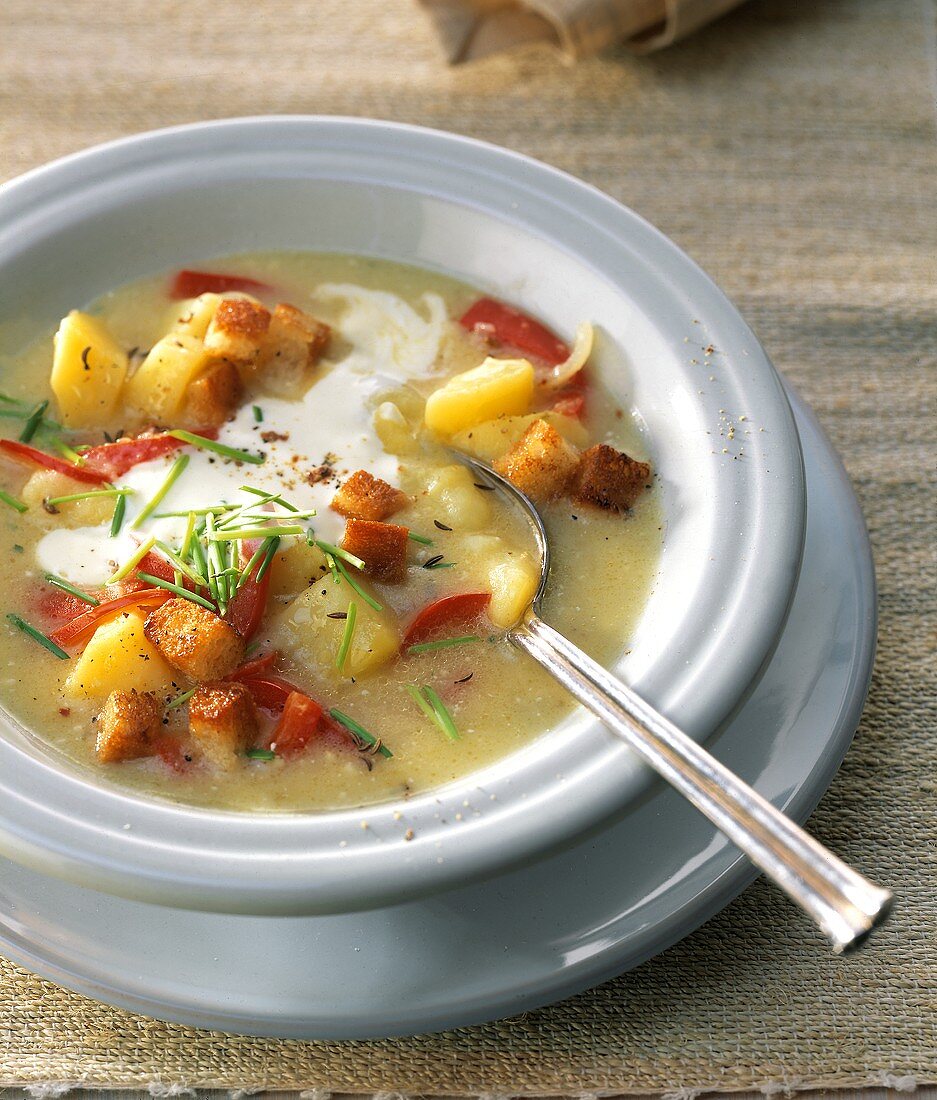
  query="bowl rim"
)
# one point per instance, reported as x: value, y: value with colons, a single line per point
x: 256, y: 862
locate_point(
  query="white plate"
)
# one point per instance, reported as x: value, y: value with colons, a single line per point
x: 522, y: 939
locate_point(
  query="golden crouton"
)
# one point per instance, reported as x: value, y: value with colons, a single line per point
x: 294, y: 342
x: 609, y: 478
x: 381, y: 546
x: 222, y: 722
x: 541, y: 463
x: 367, y: 497
x: 194, y: 640
x: 213, y: 396
x: 127, y: 726
x: 237, y: 330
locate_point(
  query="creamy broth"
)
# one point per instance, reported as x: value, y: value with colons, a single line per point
x: 395, y: 338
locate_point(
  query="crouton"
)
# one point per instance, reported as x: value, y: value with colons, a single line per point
x: 194, y: 640
x: 367, y: 497
x: 237, y: 330
x: 294, y: 342
x: 541, y: 463
x: 127, y: 726
x: 213, y: 396
x: 609, y: 478
x: 222, y: 722
x: 381, y: 546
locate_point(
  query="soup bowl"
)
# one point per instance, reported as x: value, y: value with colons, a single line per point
x: 671, y: 347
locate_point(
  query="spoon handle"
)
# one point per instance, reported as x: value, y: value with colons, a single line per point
x: 845, y: 905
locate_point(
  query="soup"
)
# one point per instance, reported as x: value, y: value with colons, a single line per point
x: 246, y: 568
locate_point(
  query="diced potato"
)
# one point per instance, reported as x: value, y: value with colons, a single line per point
x: 499, y: 387
x: 294, y: 569
x: 159, y: 386
x: 88, y: 371
x: 513, y: 582
x: 77, y: 513
x: 394, y: 431
x: 192, y: 318
x: 304, y: 631
x: 455, y: 500
x: 118, y: 656
x: 494, y: 438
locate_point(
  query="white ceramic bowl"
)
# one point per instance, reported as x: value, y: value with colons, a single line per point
x: 517, y: 228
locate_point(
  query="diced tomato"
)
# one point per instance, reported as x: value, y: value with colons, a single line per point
x: 270, y: 692
x: 571, y: 404
x: 258, y: 668
x: 29, y: 456
x: 450, y: 611
x: 189, y: 284
x: 517, y: 330
x: 246, y: 610
x: 114, y: 459
x: 171, y: 751
x: 56, y: 605
x: 82, y: 625
x: 297, y: 726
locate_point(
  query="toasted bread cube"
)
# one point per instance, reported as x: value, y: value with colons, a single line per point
x: 499, y: 387
x: 222, y: 722
x: 213, y: 396
x: 541, y: 463
x: 609, y: 478
x: 381, y: 546
x: 237, y: 330
x: 127, y: 726
x: 367, y: 497
x: 295, y: 341
x: 89, y: 368
x: 195, y: 641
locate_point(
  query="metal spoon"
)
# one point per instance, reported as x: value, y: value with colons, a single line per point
x: 845, y: 905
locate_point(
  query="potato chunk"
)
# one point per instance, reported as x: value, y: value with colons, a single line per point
x: 541, y: 463
x: 295, y: 568
x: 194, y: 640
x: 212, y: 397
x: 194, y: 317
x: 237, y: 330
x: 609, y: 478
x: 76, y: 513
x: 381, y: 546
x: 513, y: 583
x: 89, y: 368
x: 494, y: 438
x: 394, y: 431
x: 127, y: 726
x: 305, y: 632
x: 499, y: 387
x: 119, y: 656
x: 455, y: 500
x: 159, y: 386
x: 367, y: 497
x: 294, y: 342
x: 222, y: 722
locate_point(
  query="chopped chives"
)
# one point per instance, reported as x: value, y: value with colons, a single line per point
x: 368, y: 599
x: 33, y: 422
x: 347, y: 636
x: 214, y: 445
x: 360, y: 731
x: 440, y: 565
x: 443, y: 643
x: 175, y: 472
x: 117, y: 520
x: 260, y: 754
x: 180, y: 699
x: 63, y: 448
x: 213, y: 509
x: 416, y: 694
x: 177, y: 589
x: 13, y: 502
x: 419, y: 538
x: 256, y: 533
x: 259, y: 553
x: 180, y: 566
x: 133, y: 561
x: 268, y: 557
x: 187, y: 536
x: 90, y: 495
x: 38, y: 636
x: 215, y: 564
x: 68, y: 587
x: 258, y: 517
x: 258, y: 414
x: 443, y: 717
x: 338, y: 552
x: 271, y: 497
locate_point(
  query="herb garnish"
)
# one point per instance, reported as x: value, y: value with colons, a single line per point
x: 368, y: 599
x: 260, y: 754
x: 13, y: 502
x: 180, y: 699
x: 338, y: 552
x: 176, y: 589
x: 443, y: 643
x: 359, y: 731
x: 33, y: 422
x: 441, y: 526
x: 133, y: 561
x: 434, y: 709
x: 347, y: 636
x: 67, y: 586
x: 90, y: 495
x: 218, y: 448
x: 175, y: 472
x: 419, y: 538
x: 117, y: 520
x: 38, y: 636
x: 258, y: 414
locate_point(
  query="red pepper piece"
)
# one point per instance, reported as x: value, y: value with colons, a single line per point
x: 29, y: 456
x: 255, y: 669
x: 90, y: 620
x: 297, y: 726
x: 189, y: 284
x: 114, y: 459
x: 54, y: 604
x: 450, y: 611
x: 270, y: 692
x: 517, y: 330
x: 246, y: 610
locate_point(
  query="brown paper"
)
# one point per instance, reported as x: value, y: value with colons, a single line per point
x: 472, y: 29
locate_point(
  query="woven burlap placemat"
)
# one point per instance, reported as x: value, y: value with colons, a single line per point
x: 790, y: 149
